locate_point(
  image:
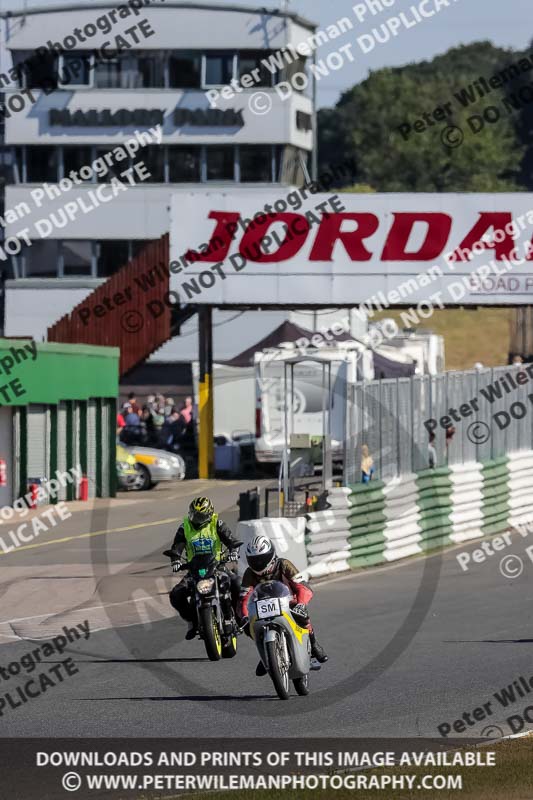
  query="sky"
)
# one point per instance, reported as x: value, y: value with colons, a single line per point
x: 507, y: 24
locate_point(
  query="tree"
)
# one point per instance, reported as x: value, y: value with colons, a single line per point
x: 455, y: 148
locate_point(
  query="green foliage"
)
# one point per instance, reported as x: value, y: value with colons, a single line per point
x: 365, y: 125
x: 359, y: 188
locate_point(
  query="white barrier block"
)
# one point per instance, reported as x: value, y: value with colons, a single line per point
x: 403, y: 552
x: 405, y: 531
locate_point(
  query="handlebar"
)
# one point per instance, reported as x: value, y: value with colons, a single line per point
x: 185, y: 565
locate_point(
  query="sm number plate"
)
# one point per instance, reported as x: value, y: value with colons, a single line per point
x: 268, y: 608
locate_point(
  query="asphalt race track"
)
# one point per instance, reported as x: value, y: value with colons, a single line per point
x: 412, y: 646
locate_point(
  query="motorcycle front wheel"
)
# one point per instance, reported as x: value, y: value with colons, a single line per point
x: 211, y: 633
x: 302, y: 685
x: 229, y: 649
x: 278, y: 673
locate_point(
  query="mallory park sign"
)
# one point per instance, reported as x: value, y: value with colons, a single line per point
x: 296, y: 247
x: 122, y: 118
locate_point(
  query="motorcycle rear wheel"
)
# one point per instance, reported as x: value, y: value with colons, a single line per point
x: 211, y: 634
x: 280, y: 677
x: 302, y: 685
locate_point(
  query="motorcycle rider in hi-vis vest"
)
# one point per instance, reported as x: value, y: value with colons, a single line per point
x: 201, y: 531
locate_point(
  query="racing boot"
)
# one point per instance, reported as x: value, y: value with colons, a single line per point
x: 260, y: 670
x: 317, y: 651
x: 191, y: 632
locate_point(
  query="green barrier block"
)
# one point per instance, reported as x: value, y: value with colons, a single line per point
x: 439, y: 494
x: 361, y: 488
x: 363, y: 501
x: 370, y: 539
x: 367, y: 508
x: 494, y: 462
x: 368, y: 519
x: 495, y: 527
x: 432, y: 517
x: 495, y: 510
x: 366, y: 561
x: 371, y: 528
x: 443, y: 502
x: 434, y: 529
x: 434, y: 543
x: 369, y: 552
x: 495, y: 489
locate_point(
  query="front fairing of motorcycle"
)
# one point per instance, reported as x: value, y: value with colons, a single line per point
x: 297, y: 638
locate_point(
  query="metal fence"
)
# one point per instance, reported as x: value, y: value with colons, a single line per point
x: 474, y: 415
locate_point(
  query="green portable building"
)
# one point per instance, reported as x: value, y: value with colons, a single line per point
x: 57, y: 412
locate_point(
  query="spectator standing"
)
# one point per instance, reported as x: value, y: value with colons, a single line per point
x: 169, y: 406
x: 132, y: 401
x: 367, y: 465
x: 450, y: 433
x: 121, y: 423
x: 432, y: 453
x: 131, y: 417
x: 147, y: 419
x: 186, y: 411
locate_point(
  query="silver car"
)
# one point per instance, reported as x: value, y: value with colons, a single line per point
x: 155, y: 466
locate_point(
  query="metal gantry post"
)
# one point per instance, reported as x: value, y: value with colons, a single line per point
x: 205, y: 394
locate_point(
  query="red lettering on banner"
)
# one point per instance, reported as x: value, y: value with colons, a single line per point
x: 329, y: 233
x: 221, y: 239
x: 295, y: 236
x: 439, y: 227
x: 487, y: 220
x: 257, y: 243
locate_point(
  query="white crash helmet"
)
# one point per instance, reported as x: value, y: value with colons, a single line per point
x: 261, y: 555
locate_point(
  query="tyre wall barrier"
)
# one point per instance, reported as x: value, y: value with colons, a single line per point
x: 377, y: 523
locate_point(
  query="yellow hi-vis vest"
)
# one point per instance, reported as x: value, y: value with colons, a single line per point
x: 203, y: 541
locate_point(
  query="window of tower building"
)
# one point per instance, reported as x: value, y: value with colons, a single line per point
x: 108, y: 73
x: 251, y: 60
x: 74, y: 158
x: 41, y: 260
x: 75, y: 69
x: 111, y: 255
x: 41, y: 164
x: 256, y: 163
x: 220, y: 163
x: 153, y: 157
x: 184, y: 164
x: 150, y: 72
x: 218, y: 69
x: 185, y: 71
x: 37, y: 70
x: 137, y: 246
x: 77, y: 257
x: 109, y: 171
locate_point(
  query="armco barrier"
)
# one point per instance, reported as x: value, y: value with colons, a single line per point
x: 376, y: 523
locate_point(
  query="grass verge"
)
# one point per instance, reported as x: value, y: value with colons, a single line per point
x: 510, y: 779
x: 469, y: 335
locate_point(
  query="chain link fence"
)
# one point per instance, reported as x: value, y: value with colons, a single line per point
x: 410, y: 424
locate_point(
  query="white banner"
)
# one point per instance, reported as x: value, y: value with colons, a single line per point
x: 297, y: 248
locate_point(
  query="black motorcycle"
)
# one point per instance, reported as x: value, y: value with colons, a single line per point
x: 210, y: 594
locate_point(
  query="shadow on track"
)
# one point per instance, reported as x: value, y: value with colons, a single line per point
x: 488, y: 641
x: 133, y: 661
x: 193, y: 698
